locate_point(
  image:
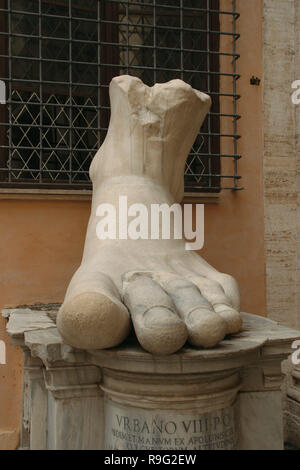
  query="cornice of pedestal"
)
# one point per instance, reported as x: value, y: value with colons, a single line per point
x: 261, y: 340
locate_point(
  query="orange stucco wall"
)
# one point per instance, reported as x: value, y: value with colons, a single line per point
x: 42, y: 240
x: 41, y: 247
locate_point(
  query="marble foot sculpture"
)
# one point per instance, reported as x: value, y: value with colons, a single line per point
x: 169, y: 294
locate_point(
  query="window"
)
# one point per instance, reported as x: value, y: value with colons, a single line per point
x: 57, y: 58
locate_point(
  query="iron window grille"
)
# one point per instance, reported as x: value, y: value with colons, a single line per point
x: 57, y: 58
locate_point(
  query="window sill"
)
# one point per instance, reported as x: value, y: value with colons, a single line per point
x: 62, y: 194
x: 201, y: 198
x: 86, y: 195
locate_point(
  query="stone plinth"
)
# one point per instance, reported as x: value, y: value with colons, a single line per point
x: 228, y: 397
x: 292, y: 412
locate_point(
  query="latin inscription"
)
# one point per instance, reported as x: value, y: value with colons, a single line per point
x: 133, y: 429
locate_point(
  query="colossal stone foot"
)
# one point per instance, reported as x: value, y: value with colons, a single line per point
x: 172, y: 295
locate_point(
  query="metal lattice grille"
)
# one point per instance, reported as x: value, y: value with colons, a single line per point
x: 57, y: 58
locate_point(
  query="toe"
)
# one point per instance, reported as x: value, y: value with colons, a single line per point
x: 229, y: 286
x: 205, y: 327
x: 191, y: 263
x: 162, y: 331
x: 214, y: 293
x: 158, y: 327
x: 92, y: 320
x: 231, y: 316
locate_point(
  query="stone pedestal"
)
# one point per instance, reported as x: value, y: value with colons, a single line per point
x: 292, y: 412
x: 170, y: 411
x: 228, y: 397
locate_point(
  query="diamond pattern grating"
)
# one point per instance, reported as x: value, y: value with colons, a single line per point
x: 57, y: 58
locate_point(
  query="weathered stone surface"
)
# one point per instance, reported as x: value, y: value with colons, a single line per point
x: 136, y: 429
x: 292, y: 416
x: 35, y: 405
x: 49, y: 347
x: 23, y: 320
x: 261, y: 421
x: 75, y: 407
x: 292, y: 408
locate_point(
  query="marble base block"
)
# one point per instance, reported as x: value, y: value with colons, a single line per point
x: 292, y: 412
x: 228, y: 397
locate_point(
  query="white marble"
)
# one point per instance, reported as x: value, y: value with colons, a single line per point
x: 169, y: 294
x: 292, y: 414
x: 261, y: 420
x: 129, y: 428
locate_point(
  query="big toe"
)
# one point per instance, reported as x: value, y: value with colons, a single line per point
x: 92, y: 320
